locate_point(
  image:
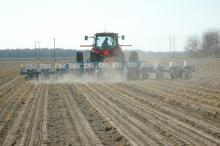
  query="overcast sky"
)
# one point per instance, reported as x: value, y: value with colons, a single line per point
x: 146, y: 24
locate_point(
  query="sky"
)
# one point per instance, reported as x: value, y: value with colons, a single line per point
x: 146, y: 24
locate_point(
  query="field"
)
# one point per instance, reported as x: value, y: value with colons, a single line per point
x: 151, y: 112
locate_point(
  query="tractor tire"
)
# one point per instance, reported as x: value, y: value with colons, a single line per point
x: 93, y: 57
x: 133, y: 74
x: 79, y: 57
x: 144, y: 75
x: 180, y: 73
x: 172, y: 74
x: 27, y: 77
x: 133, y: 57
x: 187, y: 74
x: 119, y: 58
x: 159, y: 75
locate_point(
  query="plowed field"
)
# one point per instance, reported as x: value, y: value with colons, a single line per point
x: 150, y: 112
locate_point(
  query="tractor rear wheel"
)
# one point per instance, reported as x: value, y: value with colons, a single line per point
x: 133, y: 73
x: 159, y: 75
x: 93, y: 57
x: 79, y: 56
x: 144, y: 75
x: 133, y: 57
x: 119, y: 57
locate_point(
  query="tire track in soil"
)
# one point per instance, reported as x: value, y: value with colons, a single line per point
x: 169, y: 125
x: 203, y: 84
x: 171, y: 99
x: 32, y: 128
x: 172, y: 93
x: 9, y: 111
x: 10, y: 104
x: 44, y: 136
x: 158, y: 130
x: 9, y: 83
x: 198, y: 110
x: 189, y: 93
x: 118, y: 119
x: 61, y: 129
x: 193, y: 86
x: 38, y: 134
x: 18, y: 128
x: 11, y: 99
x: 86, y: 134
x: 107, y: 134
x: 10, y: 89
x: 194, y: 104
x: 206, y: 82
x: 5, y: 77
x: 210, y: 132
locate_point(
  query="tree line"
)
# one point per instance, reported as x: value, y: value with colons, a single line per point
x: 208, y: 45
x: 39, y: 53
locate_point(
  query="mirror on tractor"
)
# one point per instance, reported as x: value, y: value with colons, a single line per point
x: 86, y: 38
x: 123, y: 37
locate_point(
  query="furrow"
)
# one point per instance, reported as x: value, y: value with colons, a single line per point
x: 194, y: 124
x: 125, y: 123
x: 104, y: 130
x: 175, y: 127
x: 16, y: 130
x: 155, y: 127
x: 30, y: 133
x: 86, y: 134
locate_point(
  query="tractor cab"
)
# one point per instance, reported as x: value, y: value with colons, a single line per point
x: 104, y: 41
x: 106, y: 48
x: 106, y: 44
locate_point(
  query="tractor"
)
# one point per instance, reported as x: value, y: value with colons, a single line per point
x: 105, y: 48
x: 106, y: 55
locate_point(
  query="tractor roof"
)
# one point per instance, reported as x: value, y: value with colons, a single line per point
x: 106, y: 33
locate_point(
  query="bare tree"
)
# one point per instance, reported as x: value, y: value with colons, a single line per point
x: 211, y: 42
x: 192, y: 45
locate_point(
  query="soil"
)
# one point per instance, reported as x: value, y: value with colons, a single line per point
x: 149, y: 112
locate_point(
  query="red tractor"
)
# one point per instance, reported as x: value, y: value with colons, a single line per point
x: 105, y: 48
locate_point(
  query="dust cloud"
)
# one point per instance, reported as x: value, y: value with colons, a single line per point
x: 109, y: 75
